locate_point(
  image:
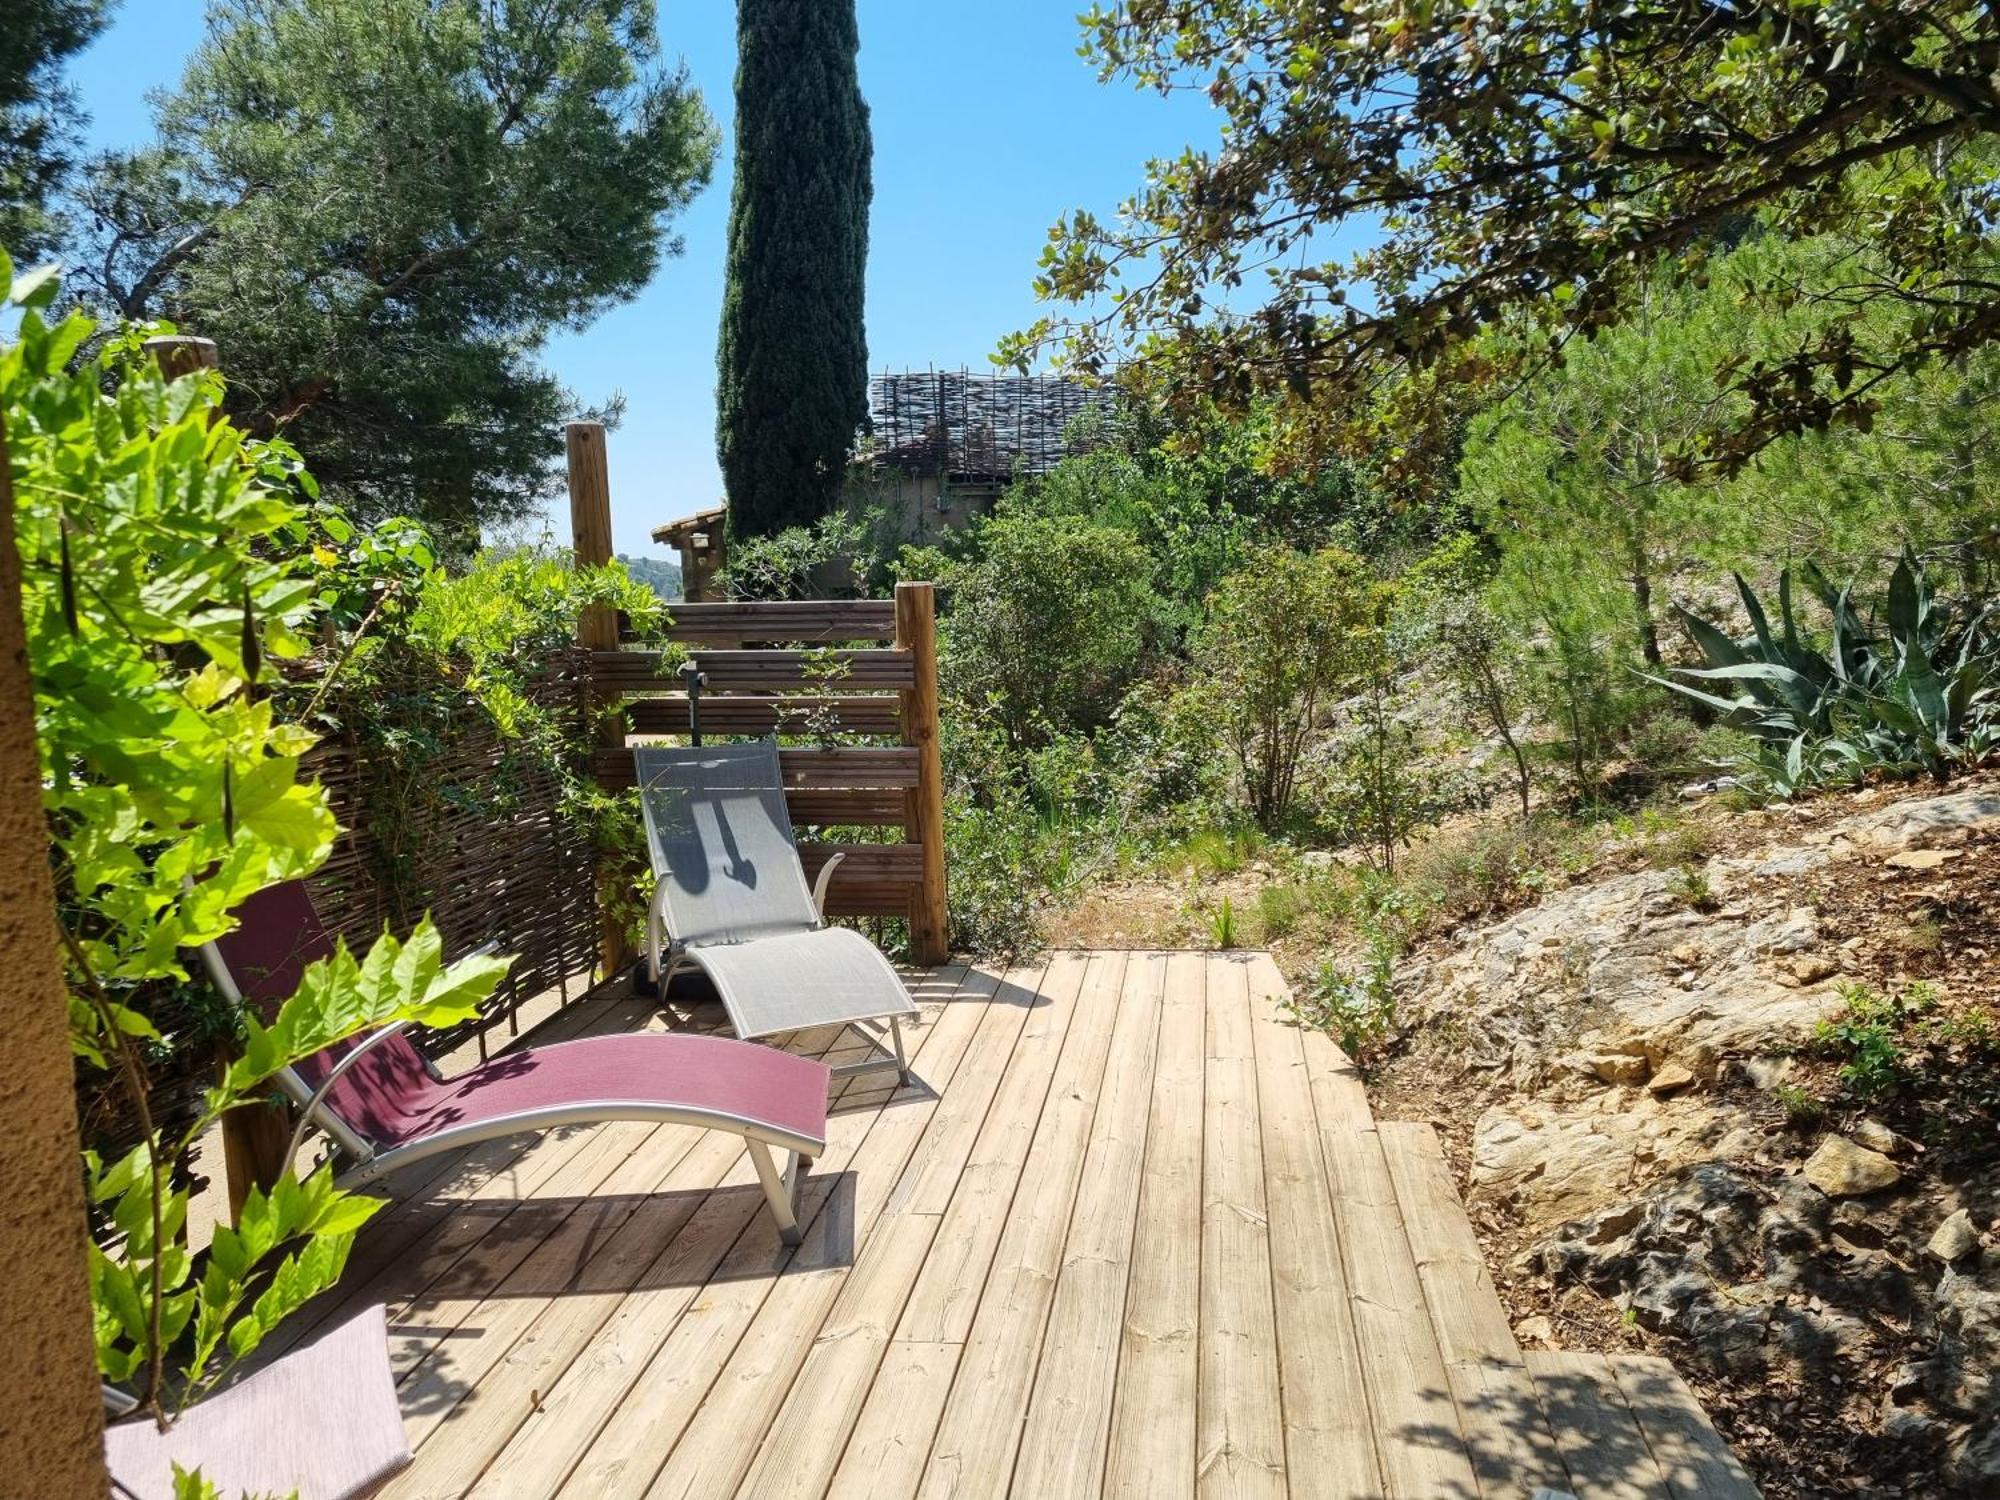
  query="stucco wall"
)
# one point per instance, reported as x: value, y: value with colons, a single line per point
x: 51, y: 1427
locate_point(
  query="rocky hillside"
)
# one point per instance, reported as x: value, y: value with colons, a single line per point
x: 1747, y: 1114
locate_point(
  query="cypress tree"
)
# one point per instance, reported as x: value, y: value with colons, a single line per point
x: 792, y: 363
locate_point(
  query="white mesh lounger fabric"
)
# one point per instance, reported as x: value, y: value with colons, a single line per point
x: 732, y: 900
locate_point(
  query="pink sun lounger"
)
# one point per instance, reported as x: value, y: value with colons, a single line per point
x: 384, y: 1107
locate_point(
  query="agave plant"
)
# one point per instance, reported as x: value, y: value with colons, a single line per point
x: 1917, y: 693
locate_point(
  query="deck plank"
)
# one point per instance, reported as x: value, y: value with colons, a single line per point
x: 820, y: 1411
x: 1694, y: 1460
x: 1069, y: 1411
x: 1602, y: 1444
x: 980, y: 1428
x: 1152, y: 1443
x: 1239, y: 1429
x: 1417, y: 1432
x: 1506, y: 1433
x: 1327, y: 1431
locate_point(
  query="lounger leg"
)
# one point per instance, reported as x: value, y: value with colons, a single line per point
x: 902, y: 1058
x: 778, y: 1188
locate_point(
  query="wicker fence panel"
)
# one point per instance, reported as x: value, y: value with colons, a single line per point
x: 484, y: 849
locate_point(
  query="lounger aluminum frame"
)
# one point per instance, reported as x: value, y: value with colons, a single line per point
x: 722, y: 850
x: 366, y: 1160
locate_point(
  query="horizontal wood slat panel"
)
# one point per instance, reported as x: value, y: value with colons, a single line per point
x: 842, y: 767
x: 809, y: 620
x: 862, y: 806
x: 865, y: 863
x: 850, y: 765
x: 868, y: 900
x: 759, y: 714
x: 757, y: 671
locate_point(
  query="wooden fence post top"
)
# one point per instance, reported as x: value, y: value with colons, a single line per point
x: 179, y: 354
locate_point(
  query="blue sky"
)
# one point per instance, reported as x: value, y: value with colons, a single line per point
x: 987, y: 125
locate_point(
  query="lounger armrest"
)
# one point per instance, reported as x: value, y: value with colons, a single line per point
x: 334, y: 1075
x: 825, y: 879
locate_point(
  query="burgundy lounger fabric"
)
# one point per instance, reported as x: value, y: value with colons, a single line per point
x: 322, y: 1421
x: 391, y: 1097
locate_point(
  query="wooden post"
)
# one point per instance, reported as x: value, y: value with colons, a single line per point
x: 597, y: 630
x: 916, y: 633
x: 51, y: 1416
x: 180, y: 354
x: 254, y: 1137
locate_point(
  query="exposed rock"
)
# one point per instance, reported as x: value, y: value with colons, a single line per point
x: 1548, y: 1164
x: 1922, y: 859
x: 1841, y: 1169
x: 1671, y: 1079
x: 1616, y: 1067
x: 1711, y: 1257
x: 1875, y: 1136
x: 1962, y: 1376
x: 1955, y: 1238
x: 1811, y: 968
x: 1975, y: 1461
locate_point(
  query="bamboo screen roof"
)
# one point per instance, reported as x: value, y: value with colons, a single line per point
x: 960, y: 425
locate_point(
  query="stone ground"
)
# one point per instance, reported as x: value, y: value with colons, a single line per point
x: 1659, y: 1156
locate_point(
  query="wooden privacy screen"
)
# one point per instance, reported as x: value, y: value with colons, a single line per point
x: 847, y: 670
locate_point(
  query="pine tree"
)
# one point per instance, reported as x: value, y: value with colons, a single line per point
x: 792, y: 366
x: 39, y: 118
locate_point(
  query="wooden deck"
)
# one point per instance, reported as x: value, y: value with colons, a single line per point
x: 1130, y: 1233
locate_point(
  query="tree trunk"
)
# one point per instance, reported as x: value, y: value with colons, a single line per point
x: 51, y: 1415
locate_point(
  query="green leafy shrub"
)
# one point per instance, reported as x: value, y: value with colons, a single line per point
x: 1277, y: 649
x: 429, y: 660
x: 1803, y: 1108
x: 1913, y: 692
x: 1049, y: 627
x: 1358, y: 1006
x: 160, y: 577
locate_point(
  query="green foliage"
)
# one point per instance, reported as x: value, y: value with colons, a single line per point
x: 1648, y: 145
x: 1867, y: 1035
x: 792, y: 363
x: 1359, y: 1005
x: 437, y: 657
x: 1689, y: 886
x: 1913, y: 692
x: 157, y: 588
x: 1049, y: 627
x: 39, y: 118
x: 1277, y: 646
x: 1803, y: 1108
x: 1222, y: 930
x: 382, y: 208
x: 1279, y: 908
x: 1454, y: 625
x: 791, y: 563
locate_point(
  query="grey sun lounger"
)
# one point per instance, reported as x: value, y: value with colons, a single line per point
x: 731, y: 900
